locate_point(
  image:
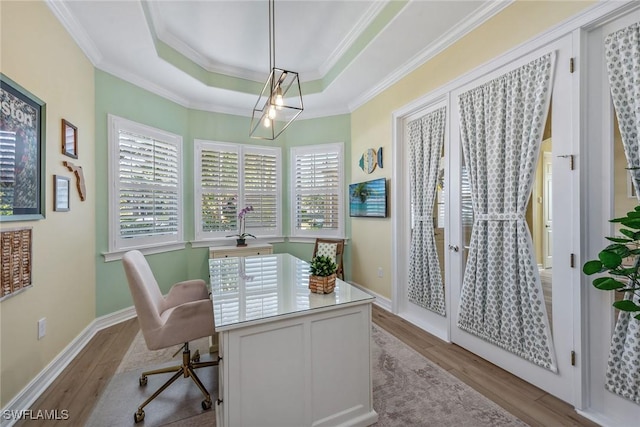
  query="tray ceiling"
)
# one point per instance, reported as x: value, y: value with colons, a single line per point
x: 214, y: 55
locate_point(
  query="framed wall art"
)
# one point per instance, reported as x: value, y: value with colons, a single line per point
x: 69, y: 139
x: 22, y: 151
x: 61, y: 193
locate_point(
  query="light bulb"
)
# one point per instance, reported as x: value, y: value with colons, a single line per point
x: 266, y: 122
x: 279, y: 99
x: 272, y: 112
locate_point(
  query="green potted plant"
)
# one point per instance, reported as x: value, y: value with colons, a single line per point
x: 621, y: 261
x: 322, y: 275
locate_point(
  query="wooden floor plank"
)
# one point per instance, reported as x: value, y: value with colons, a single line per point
x: 524, y: 400
x: 77, y: 389
x: 486, y: 372
x: 562, y: 408
x: 80, y: 385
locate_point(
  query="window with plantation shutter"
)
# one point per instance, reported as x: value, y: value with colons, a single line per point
x: 317, y: 198
x: 230, y: 177
x: 217, y: 186
x: 261, y: 189
x: 145, y: 192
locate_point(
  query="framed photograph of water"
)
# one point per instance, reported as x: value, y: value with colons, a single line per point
x: 368, y: 199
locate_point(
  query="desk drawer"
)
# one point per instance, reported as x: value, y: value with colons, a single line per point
x: 233, y: 251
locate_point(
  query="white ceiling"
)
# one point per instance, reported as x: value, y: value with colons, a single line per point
x: 211, y: 55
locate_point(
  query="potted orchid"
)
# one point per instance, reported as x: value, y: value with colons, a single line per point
x: 242, y: 235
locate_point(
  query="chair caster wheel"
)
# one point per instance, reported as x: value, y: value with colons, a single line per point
x: 138, y: 416
x: 143, y: 382
x: 196, y: 356
x: 206, y: 404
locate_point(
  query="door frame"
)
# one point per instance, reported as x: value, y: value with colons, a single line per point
x: 429, y: 321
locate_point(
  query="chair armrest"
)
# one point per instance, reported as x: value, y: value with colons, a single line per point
x: 189, y: 290
x: 187, y: 322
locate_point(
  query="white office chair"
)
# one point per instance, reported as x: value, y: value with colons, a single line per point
x: 185, y: 314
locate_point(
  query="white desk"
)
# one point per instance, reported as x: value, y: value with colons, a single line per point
x: 289, y: 357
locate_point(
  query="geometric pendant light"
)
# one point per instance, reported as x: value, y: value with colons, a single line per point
x: 280, y: 101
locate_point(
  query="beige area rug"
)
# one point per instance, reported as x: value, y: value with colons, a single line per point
x: 408, y: 390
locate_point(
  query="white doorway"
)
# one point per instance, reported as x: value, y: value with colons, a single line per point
x: 432, y: 322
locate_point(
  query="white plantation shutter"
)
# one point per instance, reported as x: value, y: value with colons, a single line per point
x: 317, y: 191
x: 146, y: 186
x: 261, y: 185
x: 217, y: 187
x: 229, y: 177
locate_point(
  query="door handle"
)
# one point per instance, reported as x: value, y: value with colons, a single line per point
x: 454, y: 248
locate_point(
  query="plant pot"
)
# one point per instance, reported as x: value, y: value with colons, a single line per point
x: 322, y: 284
x: 241, y: 242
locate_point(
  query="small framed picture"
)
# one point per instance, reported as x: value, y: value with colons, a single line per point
x: 69, y: 139
x: 61, y: 192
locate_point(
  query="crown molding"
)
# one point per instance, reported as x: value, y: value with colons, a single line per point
x: 160, y: 31
x: 348, y: 41
x: 472, y: 21
x: 75, y: 29
x: 143, y: 83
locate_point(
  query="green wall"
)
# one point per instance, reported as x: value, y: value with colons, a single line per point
x: 311, y: 132
x: 117, y: 97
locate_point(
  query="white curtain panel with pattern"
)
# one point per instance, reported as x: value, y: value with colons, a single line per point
x: 502, y: 123
x: 426, y: 137
x: 622, y: 51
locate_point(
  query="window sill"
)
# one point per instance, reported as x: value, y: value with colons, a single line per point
x: 313, y: 239
x: 228, y: 241
x: 149, y: 250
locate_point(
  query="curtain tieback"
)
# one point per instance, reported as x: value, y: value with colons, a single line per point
x: 505, y: 216
x: 422, y: 218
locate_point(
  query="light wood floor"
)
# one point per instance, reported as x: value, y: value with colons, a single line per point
x: 79, y: 387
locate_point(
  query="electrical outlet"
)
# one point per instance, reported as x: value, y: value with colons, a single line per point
x: 42, y: 328
x: 379, y: 271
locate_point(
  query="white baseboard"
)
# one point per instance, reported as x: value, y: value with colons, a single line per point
x: 28, y: 395
x: 597, y: 418
x: 114, y: 318
x: 382, y: 302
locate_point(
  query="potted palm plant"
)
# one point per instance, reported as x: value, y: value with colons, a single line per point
x: 322, y: 277
x: 621, y: 261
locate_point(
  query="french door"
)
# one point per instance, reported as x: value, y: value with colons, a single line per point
x: 554, y: 196
x: 434, y: 323
x: 609, y: 182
